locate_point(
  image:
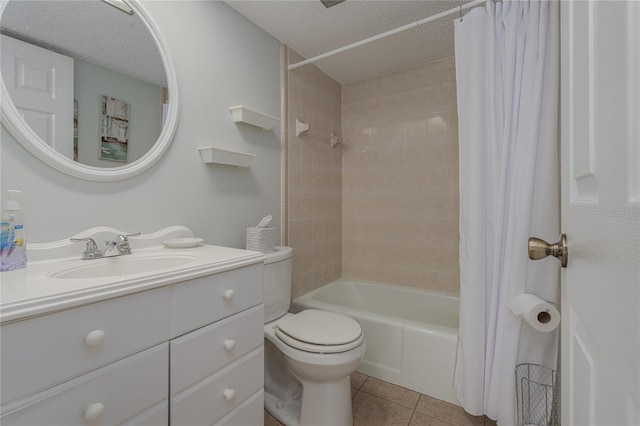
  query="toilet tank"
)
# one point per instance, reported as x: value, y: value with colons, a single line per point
x: 277, y: 283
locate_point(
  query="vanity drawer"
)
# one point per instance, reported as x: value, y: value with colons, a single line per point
x: 44, y: 351
x: 204, y: 300
x: 158, y: 415
x: 132, y: 390
x: 201, y: 353
x: 213, y: 398
x: 250, y: 412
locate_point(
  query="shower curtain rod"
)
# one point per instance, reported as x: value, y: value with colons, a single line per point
x: 458, y: 9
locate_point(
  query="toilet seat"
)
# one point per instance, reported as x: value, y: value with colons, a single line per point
x: 320, y: 332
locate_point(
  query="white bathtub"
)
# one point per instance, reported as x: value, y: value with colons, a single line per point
x: 411, y: 334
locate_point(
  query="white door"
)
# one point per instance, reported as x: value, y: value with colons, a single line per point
x: 40, y: 82
x: 600, y: 368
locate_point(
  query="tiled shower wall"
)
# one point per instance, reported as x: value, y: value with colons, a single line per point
x: 384, y: 205
x: 400, y: 178
x: 314, y: 177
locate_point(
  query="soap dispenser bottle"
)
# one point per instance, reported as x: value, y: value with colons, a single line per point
x: 13, y: 238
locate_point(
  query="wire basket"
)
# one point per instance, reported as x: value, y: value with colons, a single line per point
x: 538, y: 394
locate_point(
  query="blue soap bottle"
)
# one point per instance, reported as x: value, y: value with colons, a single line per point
x: 13, y: 237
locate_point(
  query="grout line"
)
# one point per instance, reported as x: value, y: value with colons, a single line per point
x: 417, y: 401
x: 412, y: 415
x: 363, y: 382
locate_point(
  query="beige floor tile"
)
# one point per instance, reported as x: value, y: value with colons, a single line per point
x: 420, y: 419
x: 447, y: 412
x: 357, y: 379
x: 354, y: 391
x: 399, y: 395
x: 370, y: 410
x: 489, y: 422
x: 269, y: 420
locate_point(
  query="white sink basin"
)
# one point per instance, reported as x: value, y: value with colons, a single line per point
x: 122, y: 266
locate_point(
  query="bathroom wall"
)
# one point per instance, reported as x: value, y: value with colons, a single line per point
x: 314, y: 199
x: 400, y: 178
x: 221, y: 60
x: 145, y: 111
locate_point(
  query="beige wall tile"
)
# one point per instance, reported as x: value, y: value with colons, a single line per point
x: 376, y: 207
x: 314, y: 178
x: 399, y: 178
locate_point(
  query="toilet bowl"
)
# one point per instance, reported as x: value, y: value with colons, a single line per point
x: 309, y: 356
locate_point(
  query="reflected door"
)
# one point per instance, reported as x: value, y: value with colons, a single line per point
x: 40, y: 83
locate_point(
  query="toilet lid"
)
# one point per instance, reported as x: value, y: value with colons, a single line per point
x: 320, y: 331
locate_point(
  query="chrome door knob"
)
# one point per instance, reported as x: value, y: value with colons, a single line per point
x: 539, y: 249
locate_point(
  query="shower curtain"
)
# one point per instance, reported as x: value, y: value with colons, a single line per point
x: 507, y: 71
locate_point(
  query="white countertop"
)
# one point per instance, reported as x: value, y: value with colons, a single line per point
x: 32, y: 291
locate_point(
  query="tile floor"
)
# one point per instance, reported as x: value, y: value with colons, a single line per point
x: 378, y: 403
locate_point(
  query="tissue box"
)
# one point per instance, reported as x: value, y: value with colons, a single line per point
x: 262, y: 239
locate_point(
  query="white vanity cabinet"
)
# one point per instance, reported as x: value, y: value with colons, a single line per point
x: 50, y: 349
x: 220, y: 365
x: 216, y: 368
x: 102, y: 363
x: 184, y: 353
x: 130, y: 391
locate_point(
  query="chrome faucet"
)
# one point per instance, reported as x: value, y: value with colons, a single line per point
x: 91, y: 251
x: 121, y: 244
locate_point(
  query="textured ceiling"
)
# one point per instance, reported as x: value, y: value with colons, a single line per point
x: 90, y: 31
x: 311, y: 29
x: 100, y: 34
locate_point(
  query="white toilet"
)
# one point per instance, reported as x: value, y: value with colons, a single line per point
x: 308, y: 356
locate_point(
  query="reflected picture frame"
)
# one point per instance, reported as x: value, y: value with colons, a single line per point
x: 114, y: 129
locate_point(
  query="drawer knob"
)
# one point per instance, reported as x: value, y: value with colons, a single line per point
x: 94, y: 338
x: 93, y: 412
x: 229, y: 344
x: 229, y: 394
x: 228, y: 295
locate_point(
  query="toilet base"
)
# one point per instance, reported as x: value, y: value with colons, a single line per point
x: 285, y: 412
x: 326, y: 404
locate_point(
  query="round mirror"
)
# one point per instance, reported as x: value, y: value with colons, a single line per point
x: 87, y: 87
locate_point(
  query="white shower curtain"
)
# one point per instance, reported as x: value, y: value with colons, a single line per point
x: 507, y: 66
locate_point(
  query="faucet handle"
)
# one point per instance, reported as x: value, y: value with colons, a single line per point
x: 91, y: 243
x: 91, y: 251
x: 123, y: 243
x: 124, y: 237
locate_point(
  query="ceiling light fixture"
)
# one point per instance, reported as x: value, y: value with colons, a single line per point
x: 329, y: 3
x: 121, y: 5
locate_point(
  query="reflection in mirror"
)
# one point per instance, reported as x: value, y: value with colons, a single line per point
x: 86, y: 77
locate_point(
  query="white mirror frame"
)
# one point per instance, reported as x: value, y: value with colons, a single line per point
x: 12, y: 120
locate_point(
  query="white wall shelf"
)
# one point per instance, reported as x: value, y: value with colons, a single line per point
x: 242, y: 114
x: 212, y: 155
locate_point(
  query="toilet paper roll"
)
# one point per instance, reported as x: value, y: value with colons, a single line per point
x: 539, y: 314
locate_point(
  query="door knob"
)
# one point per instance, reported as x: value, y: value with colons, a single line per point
x: 539, y: 249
